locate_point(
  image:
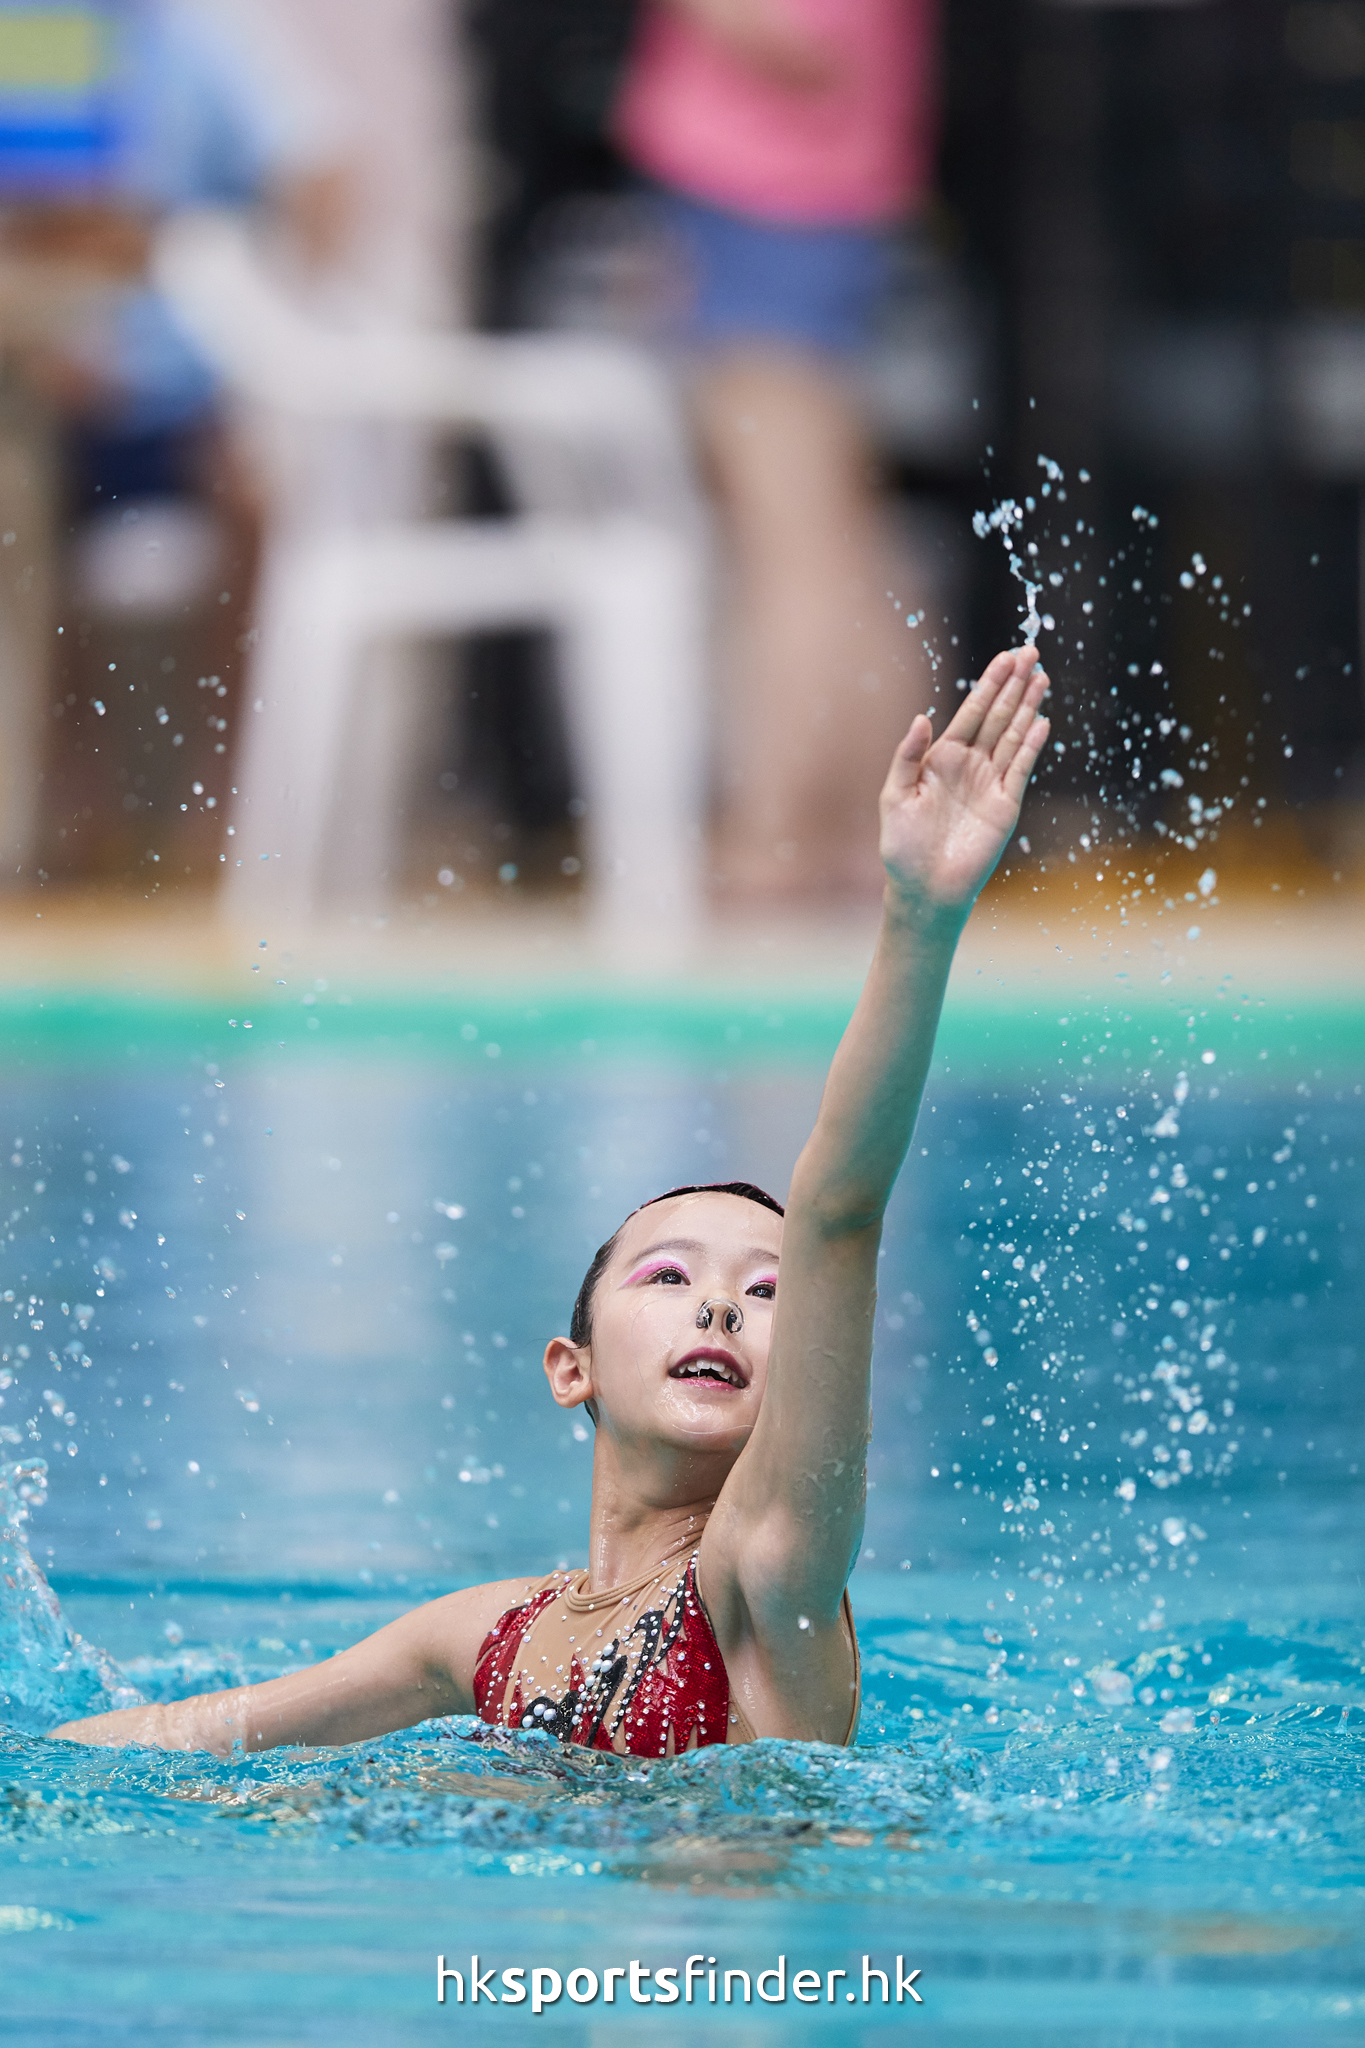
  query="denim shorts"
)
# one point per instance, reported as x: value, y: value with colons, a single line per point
x: 760, y: 280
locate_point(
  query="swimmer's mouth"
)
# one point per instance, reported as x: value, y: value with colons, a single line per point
x: 707, y: 1363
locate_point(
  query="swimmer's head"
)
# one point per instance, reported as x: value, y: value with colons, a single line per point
x: 580, y: 1327
x: 699, y: 1276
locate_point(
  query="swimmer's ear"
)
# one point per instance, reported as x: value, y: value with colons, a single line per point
x: 568, y: 1368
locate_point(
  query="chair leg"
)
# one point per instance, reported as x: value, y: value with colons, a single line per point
x: 364, y: 846
x: 27, y: 642
x: 634, y: 651
x: 298, y: 700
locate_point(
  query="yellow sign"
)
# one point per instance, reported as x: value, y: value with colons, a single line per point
x: 51, y: 49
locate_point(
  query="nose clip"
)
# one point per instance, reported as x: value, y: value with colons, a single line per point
x: 734, y: 1315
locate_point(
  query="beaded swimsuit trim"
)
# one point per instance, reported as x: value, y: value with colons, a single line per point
x: 655, y: 1684
x: 651, y: 1685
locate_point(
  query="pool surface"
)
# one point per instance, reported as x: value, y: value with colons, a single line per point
x: 278, y: 1305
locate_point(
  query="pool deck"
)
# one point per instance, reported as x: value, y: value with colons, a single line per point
x: 1277, y: 942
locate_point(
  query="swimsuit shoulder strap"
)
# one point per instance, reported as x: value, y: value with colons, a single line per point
x: 497, y: 1651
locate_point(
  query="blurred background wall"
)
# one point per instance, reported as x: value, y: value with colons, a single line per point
x: 1136, y: 247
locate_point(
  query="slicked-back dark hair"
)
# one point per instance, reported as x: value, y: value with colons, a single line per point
x: 580, y: 1327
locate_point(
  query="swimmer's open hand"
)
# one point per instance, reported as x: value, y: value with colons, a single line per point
x: 950, y: 804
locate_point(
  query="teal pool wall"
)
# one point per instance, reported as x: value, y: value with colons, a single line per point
x: 1119, y: 1037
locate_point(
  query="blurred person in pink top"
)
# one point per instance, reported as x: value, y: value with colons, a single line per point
x: 785, y: 141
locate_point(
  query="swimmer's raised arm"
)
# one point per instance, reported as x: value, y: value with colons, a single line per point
x: 419, y: 1666
x: 777, y: 1552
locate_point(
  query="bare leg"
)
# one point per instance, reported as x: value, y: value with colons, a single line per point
x: 821, y: 675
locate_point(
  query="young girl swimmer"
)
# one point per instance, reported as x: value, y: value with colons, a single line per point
x: 731, y: 1409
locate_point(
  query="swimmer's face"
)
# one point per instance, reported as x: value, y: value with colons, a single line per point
x: 654, y: 1374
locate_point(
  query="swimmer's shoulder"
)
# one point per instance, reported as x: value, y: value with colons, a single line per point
x: 460, y: 1623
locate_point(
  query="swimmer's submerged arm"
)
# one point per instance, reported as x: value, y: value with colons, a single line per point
x: 790, y: 1516
x: 419, y: 1666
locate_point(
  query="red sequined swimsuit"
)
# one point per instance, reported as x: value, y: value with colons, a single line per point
x: 635, y: 1668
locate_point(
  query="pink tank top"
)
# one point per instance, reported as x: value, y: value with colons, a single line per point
x: 859, y: 149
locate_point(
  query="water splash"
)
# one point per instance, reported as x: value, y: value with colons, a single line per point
x: 1004, y: 519
x: 992, y: 1778
x: 48, y: 1674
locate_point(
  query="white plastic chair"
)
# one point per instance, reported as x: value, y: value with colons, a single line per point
x: 607, y: 554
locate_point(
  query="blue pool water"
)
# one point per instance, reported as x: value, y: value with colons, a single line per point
x: 1108, y: 1786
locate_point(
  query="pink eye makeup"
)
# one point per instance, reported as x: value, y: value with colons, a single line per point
x: 653, y: 1267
